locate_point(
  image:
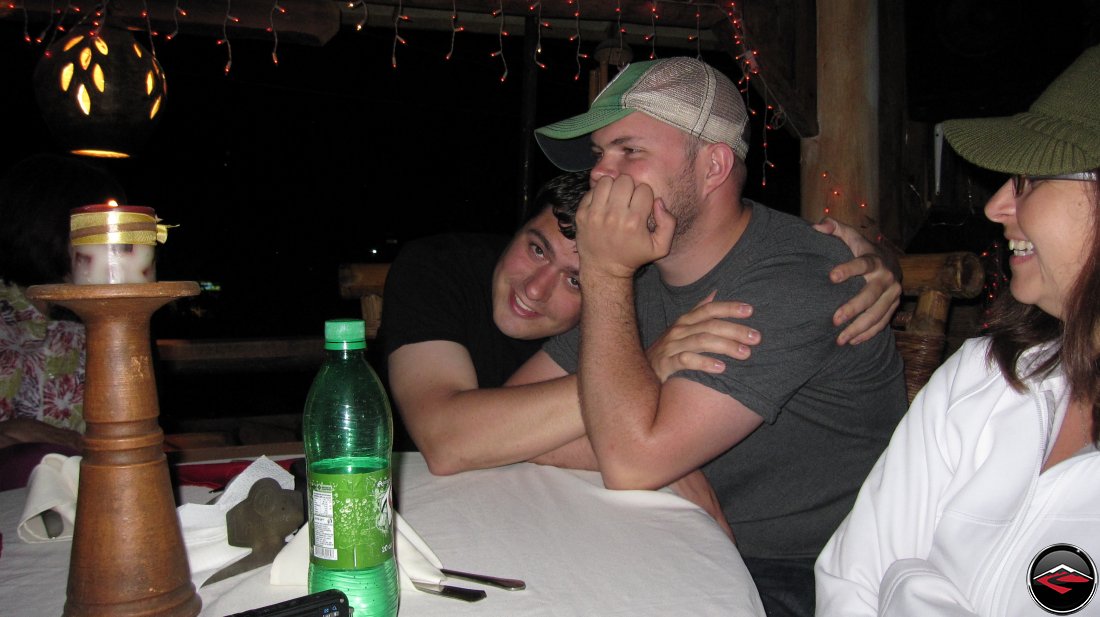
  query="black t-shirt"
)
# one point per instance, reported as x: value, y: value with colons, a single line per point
x: 440, y: 289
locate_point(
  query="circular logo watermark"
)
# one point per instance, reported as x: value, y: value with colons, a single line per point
x: 1062, y: 579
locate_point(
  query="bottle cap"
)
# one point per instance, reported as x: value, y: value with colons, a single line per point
x: 345, y: 334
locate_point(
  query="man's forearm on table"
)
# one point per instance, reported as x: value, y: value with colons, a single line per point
x: 577, y: 454
x: 484, y: 428
x: 618, y: 390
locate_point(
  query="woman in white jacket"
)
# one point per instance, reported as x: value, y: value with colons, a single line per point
x: 987, y: 500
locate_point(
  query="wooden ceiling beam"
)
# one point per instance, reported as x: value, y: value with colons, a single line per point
x: 680, y: 14
x: 315, y: 22
x: 380, y: 15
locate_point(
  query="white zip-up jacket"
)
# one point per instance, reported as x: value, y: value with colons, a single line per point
x: 955, y: 510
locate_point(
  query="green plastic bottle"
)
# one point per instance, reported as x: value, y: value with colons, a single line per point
x: 348, y: 434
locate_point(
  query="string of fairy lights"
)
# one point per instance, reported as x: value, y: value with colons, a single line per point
x: 148, y: 26
x: 455, y: 29
x: 62, y: 18
x: 177, y: 12
x: 276, y: 8
x: 398, y: 16
x: 229, y: 18
x: 501, y: 33
x: 576, y: 37
x: 538, y: 37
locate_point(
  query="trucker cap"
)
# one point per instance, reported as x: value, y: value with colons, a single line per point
x: 681, y: 91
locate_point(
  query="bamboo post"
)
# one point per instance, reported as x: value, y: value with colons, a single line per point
x: 935, y: 279
x: 840, y: 167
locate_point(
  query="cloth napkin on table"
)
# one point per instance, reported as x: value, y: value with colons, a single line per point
x: 415, y: 559
x: 205, y: 533
x: 52, y: 486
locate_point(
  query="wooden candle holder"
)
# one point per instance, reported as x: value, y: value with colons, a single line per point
x: 128, y: 557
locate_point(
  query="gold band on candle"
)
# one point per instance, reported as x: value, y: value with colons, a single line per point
x: 112, y: 217
x: 116, y: 227
x: 119, y: 237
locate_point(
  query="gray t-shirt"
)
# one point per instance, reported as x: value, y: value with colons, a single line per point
x: 828, y: 410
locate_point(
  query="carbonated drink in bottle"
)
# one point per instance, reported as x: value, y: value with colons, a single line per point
x: 348, y: 435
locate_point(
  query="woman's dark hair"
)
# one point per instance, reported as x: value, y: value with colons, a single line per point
x: 36, y: 195
x: 1015, y: 327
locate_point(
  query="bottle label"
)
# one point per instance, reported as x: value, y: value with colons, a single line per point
x: 350, y: 519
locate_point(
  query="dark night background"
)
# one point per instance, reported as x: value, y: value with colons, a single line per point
x: 277, y: 174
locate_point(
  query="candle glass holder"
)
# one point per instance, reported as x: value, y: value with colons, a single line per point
x: 113, y: 244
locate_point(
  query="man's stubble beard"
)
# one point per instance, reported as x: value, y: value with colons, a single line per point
x: 683, y: 201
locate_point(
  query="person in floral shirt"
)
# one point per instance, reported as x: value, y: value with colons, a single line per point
x: 41, y: 364
x: 41, y: 347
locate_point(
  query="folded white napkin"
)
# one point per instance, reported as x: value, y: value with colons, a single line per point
x: 415, y: 559
x: 205, y: 534
x: 52, y: 486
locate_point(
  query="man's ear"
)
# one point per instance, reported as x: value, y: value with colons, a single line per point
x: 719, y: 160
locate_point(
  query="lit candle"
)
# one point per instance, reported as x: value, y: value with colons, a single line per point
x: 113, y: 244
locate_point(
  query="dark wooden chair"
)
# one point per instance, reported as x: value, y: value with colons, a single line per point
x: 365, y: 282
x: 929, y: 283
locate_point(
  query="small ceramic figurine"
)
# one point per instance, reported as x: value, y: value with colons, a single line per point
x: 262, y: 522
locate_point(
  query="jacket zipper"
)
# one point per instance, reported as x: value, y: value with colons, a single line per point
x: 1009, y: 539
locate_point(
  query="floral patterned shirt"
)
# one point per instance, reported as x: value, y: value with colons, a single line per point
x: 41, y: 364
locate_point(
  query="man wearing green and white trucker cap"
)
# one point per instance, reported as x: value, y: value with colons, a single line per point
x: 685, y: 93
x: 785, y: 437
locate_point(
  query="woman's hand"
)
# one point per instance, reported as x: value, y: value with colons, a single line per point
x: 704, y: 329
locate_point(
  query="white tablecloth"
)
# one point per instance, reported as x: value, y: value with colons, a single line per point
x: 583, y: 550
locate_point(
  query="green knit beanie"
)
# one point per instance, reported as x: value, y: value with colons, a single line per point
x: 1058, y: 134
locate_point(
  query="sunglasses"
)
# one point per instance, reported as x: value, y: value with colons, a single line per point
x: 1021, y: 182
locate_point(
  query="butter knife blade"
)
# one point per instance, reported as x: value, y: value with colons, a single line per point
x: 450, y: 591
x: 511, y: 584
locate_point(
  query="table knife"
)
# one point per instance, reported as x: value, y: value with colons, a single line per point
x: 511, y: 584
x: 449, y: 591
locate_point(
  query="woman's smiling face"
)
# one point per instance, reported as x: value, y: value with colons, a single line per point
x: 1049, y: 227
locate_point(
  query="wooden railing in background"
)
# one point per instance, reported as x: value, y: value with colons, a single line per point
x: 239, y: 355
x: 933, y: 279
x: 365, y: 282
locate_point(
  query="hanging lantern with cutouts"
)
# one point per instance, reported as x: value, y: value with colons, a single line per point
x: 100, y: 92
